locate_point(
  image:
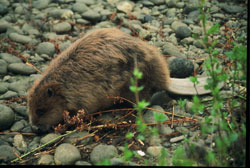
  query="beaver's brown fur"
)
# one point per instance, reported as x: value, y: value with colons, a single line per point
x: 97, y: 65
x: 94, y: 67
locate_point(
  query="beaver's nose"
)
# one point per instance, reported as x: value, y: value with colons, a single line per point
x: 39, y: 129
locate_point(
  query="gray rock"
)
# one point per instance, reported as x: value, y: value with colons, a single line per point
x: 231, y: 8
x: 30, y: 29
x: 181, y: 67
x: 19, y: 86
x: 191, y: 6
x: 154, y: 150
x: 171, y: 12
x: 91, y: 15
x: 125, y: 6
x: 46, y: 160
x: 7, y: 95
x: 20, y: 143
x: 194, y: 16
x: 154, y: 140
x: 3, y: 10
x: 182, y: 32
x: 177, y: 139
x: 3, y: 67
x: 158, y: 2
x: 48, y: 137
x: 21, y: 68
x: 64, y: 45
x: 75, y: 136
x: 40, y: 4
x: 3, y: 26
x: 17, y: 126
x: 82, y: 163
x: 6, y: 117
x: 149, y: 115
x: 165, y: 129
x: 7, y: 154
x: 116, y: 162
x: 3, y: 89
x: 147, y: 3
x: 176, y: 24
x: 22, y: 38
x: 46, y: 48
x: 102, y: 152
x: 10, y: 58
x: 80, y: 7
x: 197, y: 151
x: 62, y: 27
x: 171, y: 49
x: 160, y: 98
x: 87, y: 2
x: 198, y: 44
x: 188, y: 107
x: 66, y: 154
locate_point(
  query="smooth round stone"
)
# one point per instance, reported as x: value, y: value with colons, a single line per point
x: 6, y: 117
x: 66, y: 154
x: 46, y: 48
x: 21, y: 68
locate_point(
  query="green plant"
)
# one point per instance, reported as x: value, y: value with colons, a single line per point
x: 220, y: 121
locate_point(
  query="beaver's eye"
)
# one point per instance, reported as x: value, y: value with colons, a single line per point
x: 40, y: 112
x: 50, y: 92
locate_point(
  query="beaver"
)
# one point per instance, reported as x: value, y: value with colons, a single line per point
x: 94, y: 67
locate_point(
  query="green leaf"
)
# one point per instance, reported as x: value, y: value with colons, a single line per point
x: 133, y: 89
x: 213, y: 29
x: 129, y: 135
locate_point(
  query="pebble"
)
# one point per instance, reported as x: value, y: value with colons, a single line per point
x: 182, y: 32
x: 177, y: 139
x: 3, y: 89
x: 231, y: 8
x: 20, y: 143
x: 3, y: 26
x: 3, y: 67
x: 91, y: 15
x: 28, y: 28
x: 40, y: 4
x: 22, y: 38
x: 46, y: 160
x: 149, y: 116
x: 154, y: 150
x: 125, y: 6
x: 66, y: 154
x: 10, y: 58
x: 101, y: 152
x: 17, y: 126
x: 171, y: 49
x: 8, y: 95
x: 181, y: 67
x: 46, y: 48
x: 62, y: 27
x: 48, y: 138
x: 7, y: 153
x: 6, y: 117
x: 21, y: 68
x: 82, y: 163
x: 76, y: 135
x: 80, y: 7
x: 160, y: 98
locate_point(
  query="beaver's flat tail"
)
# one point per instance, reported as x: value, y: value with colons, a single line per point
x: 183, y: 86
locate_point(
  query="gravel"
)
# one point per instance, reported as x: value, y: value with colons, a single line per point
x: 66, y: 154
x: 34, y: 33
x: 6, y: 117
